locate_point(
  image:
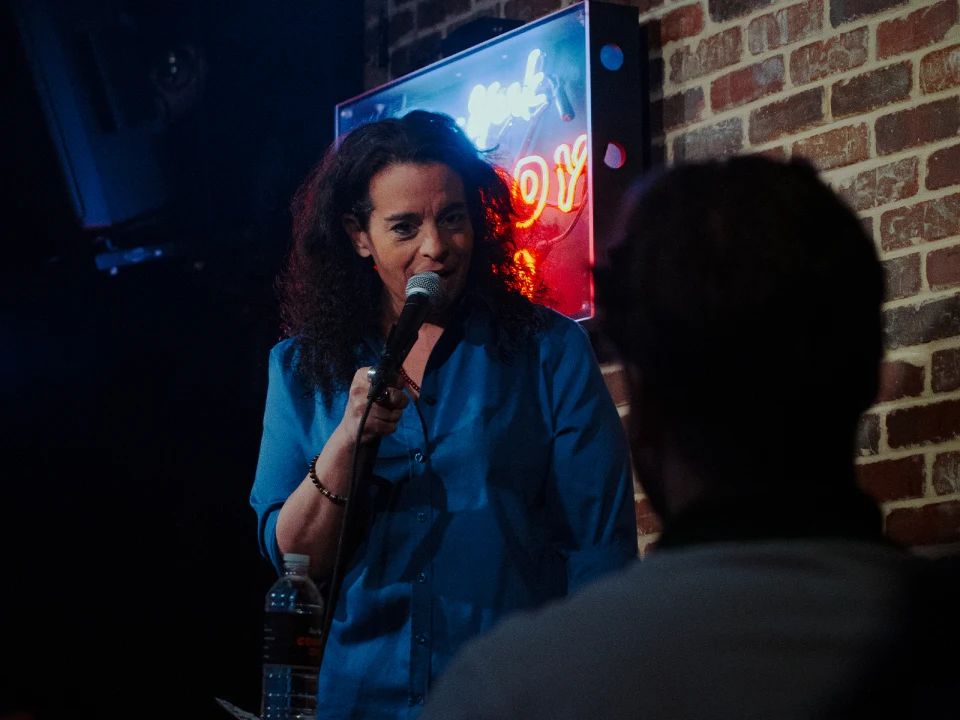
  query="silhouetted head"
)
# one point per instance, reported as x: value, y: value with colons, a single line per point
x: 744, y: 300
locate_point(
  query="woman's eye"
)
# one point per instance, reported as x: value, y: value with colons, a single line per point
x: 454, y: 220
x: 404, y: 229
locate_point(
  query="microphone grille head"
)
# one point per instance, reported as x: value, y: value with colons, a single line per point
x: 429, y: 284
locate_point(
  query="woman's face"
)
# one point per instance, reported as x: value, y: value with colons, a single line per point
x: 419, y: 223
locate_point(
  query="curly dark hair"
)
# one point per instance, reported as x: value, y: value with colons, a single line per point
x: 331, y: 297
x: 748, y: 295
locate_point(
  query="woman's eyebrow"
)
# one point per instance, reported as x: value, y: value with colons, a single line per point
x: 404, y: 217
x: 455, y: 205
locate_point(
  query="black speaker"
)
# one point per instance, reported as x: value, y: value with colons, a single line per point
x: 91, y: 66
x: 200, y: 116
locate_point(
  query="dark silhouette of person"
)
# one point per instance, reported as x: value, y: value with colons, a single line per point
x: 744, y: 301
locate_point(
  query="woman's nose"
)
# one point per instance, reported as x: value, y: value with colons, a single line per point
x: 433, y: 246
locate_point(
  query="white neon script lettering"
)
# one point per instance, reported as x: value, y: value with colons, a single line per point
x: 493, y: 104
x: 532, y: 176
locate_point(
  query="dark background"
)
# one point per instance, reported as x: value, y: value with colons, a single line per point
x: 132, y: 584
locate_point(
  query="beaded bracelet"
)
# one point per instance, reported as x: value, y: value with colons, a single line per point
x: 332, y: 497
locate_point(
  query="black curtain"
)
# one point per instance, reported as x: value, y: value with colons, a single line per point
x: 132, y: 402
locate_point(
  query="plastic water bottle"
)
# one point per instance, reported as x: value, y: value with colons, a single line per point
x: 292, y: 626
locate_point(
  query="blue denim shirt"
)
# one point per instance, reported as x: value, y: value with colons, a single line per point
x: 507, y: 486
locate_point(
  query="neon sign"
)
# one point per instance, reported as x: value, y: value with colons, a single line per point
x: 533, y: 184
x: 532, y: 179
x: 573, y: 161
x: 493, y: 104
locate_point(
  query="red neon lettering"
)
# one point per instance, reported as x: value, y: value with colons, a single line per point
x: 532, y: 179
x: 573, y: 161
x: 533, y: 184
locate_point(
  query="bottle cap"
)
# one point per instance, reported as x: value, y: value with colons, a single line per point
x: 296, y: 559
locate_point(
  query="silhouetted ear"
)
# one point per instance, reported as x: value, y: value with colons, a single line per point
x: 358, y: 236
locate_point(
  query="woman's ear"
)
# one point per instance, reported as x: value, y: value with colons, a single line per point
x: 358, y: 236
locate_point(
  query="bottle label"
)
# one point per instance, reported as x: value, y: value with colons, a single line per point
x: 291, y: 639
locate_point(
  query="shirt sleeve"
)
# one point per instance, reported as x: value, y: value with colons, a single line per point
x: 283, y: 463
x: 590, y: 491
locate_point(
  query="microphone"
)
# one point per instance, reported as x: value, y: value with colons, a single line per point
x: 425, y: 291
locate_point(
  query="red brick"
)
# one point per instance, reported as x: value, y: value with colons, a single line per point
x: 931, y: 524
x: 713, y: 53
x: 642, y: 5
x: 773, y: 153
x: 723, y: 10
x: 647, y: 520
x: 943, y: 168
x: 943, y: 268
x: 882, y: 185
x: 899, y: 379
x: 919, y: 324
x: 821, y: 59
x: 747, y: 84
x: 790, y: 25
x: 416, y: 55
x: 918, y: 126
x: 430, y: 13
x: 836, y: 148
x: 870, y: 90
x: 785, y: 117
x: 934, y: 423
x: 401, y: 24
x: 844, y: 11
x: 946, y: 473
x: 529, y: 9
x: 945, y: 370
x: 902, y: 276
x: 616, y: 382
x: 892, y: 479
x: 868, y: 434
x: 918, y: 29
x: 718, y: 140
x: 940, y: 70
x: 683, y: 108
x: 682, y: 22
x: 926, y: 221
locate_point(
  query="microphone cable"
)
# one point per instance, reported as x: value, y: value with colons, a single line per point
x: 362, y: 464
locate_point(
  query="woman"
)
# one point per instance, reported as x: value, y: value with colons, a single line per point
x: 502, y: 479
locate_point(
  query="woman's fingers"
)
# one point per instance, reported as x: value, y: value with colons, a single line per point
x: 385, y: 413
x: 393, y: 398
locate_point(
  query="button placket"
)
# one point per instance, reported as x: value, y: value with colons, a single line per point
x: 420, y: 499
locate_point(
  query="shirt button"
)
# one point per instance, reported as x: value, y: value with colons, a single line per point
x: 418, y: 456
x: 422, y: 639
x: 422, y: 577
x: 421, y: 517
x: 419, y: 699
x: 416, y: 700
x: 430, y: 400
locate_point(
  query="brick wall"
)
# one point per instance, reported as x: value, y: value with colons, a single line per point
x: 869, y: 90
